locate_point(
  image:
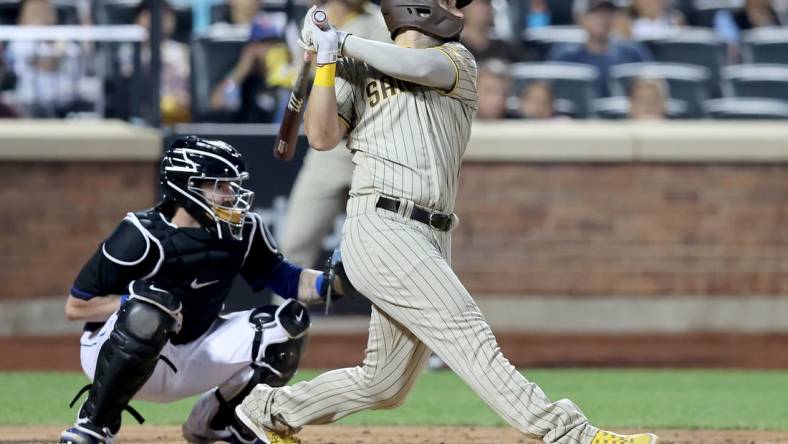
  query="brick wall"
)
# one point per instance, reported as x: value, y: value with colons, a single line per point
x: 541, y: 229
x: 639, y: 229
x: 56, y: 213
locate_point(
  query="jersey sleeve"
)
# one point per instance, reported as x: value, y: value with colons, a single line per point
x: 347, y: 91
x: 464, y: 88
x: 127, y: 254
x: 262, y: 256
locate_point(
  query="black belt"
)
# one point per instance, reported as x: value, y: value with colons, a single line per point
x: 439, y: 221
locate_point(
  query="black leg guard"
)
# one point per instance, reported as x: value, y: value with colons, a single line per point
x: 225, y: 417
x: 127, y: 359
x: 280, y: 338
x: 280, y: 333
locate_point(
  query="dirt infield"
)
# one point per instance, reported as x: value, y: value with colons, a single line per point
x: 396, y: 435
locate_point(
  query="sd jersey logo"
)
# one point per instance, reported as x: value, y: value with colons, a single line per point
x: 378, y: 90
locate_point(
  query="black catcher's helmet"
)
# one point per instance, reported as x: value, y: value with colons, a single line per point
x: 205, y: 177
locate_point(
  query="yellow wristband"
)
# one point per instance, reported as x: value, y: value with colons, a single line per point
x: 324, y: 75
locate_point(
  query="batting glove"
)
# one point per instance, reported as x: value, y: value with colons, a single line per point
x: 325, y: 41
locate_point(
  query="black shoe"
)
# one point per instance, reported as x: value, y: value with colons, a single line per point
x: 86, y: 434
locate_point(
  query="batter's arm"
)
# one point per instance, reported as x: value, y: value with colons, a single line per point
x: 428, y: 66
x: 323, y: 128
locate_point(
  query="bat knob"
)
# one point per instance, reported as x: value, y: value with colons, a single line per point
x: 319, y: 17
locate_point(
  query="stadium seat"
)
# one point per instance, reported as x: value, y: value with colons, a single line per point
x: 183, y: 23
x: 616, y: 108
x: 213, y: 55
x: 687, y: 9
x: 571, y: 82
x: 703, y: 11
x: 765, y: 45
x: 744, y: 108
x: 9, y: 9
x: 561, y: 12
x: 686, y: 82
x: 763, y: 81
x: 540, y: 40
x: 693, y: 46
x: 115, y: 12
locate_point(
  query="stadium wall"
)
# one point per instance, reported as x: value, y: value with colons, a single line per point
x: 580, y: 241
x: 63, y: 187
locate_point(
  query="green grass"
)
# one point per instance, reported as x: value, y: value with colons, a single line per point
x: 691, y: 399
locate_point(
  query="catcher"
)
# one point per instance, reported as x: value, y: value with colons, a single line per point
x: 152, y: 294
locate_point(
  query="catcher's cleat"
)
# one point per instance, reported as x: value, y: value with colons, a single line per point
x: 86, y: 434
x: 265, y: 436
x: 605, y: 437
x: 242, y: 436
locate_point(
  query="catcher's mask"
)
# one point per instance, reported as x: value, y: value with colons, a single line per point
x: 206, y: 178
x: 426, y: 16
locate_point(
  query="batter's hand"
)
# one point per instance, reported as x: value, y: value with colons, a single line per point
x: 318, y: 35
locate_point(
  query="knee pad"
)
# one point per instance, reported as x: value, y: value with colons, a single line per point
x: 279, y: 339
x: 144, y: 327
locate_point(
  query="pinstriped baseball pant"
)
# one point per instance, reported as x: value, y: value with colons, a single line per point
x: 418, y: 304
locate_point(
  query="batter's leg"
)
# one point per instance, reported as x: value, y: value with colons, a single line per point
x: 401, y: 266
x: 318, y: 196
x: 393, y: 362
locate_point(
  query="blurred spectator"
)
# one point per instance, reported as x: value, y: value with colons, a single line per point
x: 47, y: 73
x: 730, y: 24
x: 653, y: 19
x: 536, y: 101
x: 538, y: 14
x: 175, y: 66
x: 251, y: 88
x: 647, y: 98
x: 242, y: 12
x: 494, y: 85
x: 5, y: 110
x: 478, y: 35
x: 600, y: 49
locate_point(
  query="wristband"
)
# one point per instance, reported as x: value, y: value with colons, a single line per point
x: 123, y: 299
x: 325, y: 74
x: 319, y: 286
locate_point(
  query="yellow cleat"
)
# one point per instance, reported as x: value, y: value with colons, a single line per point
x: 264, y: 435
x: 275, y: 438
x: 605, y: 437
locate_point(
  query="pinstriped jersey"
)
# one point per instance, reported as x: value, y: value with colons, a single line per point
x: 407, y: 139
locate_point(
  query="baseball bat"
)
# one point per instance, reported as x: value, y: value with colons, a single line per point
x: 284, y: 147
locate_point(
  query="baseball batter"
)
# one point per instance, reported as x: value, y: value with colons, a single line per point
x: 406, y: 110
x: 317, y: 198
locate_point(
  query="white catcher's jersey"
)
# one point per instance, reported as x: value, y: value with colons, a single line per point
x: 398, y: 134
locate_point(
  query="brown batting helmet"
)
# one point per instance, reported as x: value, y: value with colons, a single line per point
x: 423, y: 15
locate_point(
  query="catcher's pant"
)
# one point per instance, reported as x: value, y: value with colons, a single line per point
x: 219, y: 358
x: 319, y: 194
x: 419, y: 304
